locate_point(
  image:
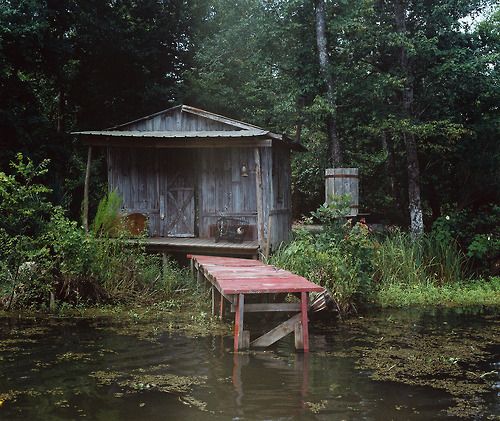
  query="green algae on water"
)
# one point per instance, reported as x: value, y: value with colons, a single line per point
x: 443, y: 357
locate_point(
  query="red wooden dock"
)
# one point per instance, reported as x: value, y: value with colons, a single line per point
x: 233, y: 278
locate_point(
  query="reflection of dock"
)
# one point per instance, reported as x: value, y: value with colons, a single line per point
x: 232, y: 279
x: 272, y: 364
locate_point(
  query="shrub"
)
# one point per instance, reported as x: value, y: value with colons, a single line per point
x: 355, y: 265
x: 338, y: 258
x: 477, y: 232
x: 43, y: 253
x: 25, y: 263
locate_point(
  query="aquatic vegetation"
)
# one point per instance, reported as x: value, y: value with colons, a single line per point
x: 152, y: 379
x: 442, y: 358
x: 316, y: 407
x: 479, y: 292
x: 350, y: 373
x: 74, y: 356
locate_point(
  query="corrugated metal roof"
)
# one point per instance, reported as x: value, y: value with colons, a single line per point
x: 175, y: 134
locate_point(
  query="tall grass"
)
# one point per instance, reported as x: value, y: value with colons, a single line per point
x: 402, y: 259
x: 478, y: 292
x: 356, y: 266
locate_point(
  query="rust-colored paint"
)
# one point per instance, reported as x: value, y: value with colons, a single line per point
x: 237, y: 277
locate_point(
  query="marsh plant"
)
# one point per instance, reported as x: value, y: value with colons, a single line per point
x: 359, y: 267
x: 403, y: 259
x: 340, y: 257
x: 44, y: 256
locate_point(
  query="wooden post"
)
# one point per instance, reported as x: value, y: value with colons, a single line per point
x: 238, y: 322
x: 299, y: 336
x: 268, y: 239
x: 214, y: 297
x: 52, y: 301
x: 221, y: 307
x: 86, y: 192
x: 303, y: 318
x: 259, y: 193
x: 164, y: 263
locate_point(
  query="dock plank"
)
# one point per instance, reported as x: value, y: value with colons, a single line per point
x: 234, y: 278
x: 241, y: 276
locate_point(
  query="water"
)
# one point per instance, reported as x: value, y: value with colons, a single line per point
x: 390, y: 365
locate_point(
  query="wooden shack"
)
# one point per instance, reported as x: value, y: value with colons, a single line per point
x: 183, y: 168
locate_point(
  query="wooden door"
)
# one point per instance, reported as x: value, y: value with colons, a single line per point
x: 177, y: 204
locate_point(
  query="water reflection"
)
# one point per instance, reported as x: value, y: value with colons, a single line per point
x: 270, y: 368
x: 67, y: 369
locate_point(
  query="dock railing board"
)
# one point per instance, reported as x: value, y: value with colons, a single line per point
x: 233, y: 278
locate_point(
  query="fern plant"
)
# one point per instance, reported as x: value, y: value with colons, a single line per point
x: 107, y: 219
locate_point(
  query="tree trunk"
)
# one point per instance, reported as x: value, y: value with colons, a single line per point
x: 300, y: 119
x: 389, y: 164
x: 414, y: 200
x: 398, y: 192
x: 85, y: 215
x: 334, y: 149
x: 60, y: 111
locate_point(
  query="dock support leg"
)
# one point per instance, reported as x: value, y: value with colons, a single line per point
x: 214, y: 298
x: 200, y: 279
x: 238, y: 323
x: 221, y: 307
x: 304, y: 300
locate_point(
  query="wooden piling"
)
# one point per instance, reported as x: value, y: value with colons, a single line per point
x: 86, y: 191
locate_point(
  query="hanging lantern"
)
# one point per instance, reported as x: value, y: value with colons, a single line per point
x: 244, y: 170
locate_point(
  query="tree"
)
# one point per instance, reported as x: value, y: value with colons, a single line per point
x: 72, y: 64
x: 335, y: 150
x: 414, y: 200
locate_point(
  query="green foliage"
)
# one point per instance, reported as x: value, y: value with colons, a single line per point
x: 25, y: 209
x: 338, y: 258
x: 403, y: 260
x: 24, y: 205
x: 476, y: 231
x: 357, y: 266
x: 42, y: 252
x: 330, y: 214
x: 484, y: 246
x: 107, y: 219
x: 480, y: 292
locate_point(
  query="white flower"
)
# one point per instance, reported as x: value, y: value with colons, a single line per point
x: 447, y: 217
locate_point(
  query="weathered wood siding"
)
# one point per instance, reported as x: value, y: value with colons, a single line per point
x: 222, y: 189
x: 155, y: 183
x: 144, y: 178
x: 281, y: 200
x: 177, y: 120
x: 134, y: 174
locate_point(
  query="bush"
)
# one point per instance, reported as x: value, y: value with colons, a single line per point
x: 43, y: 253
x: 477, y: 232
x: 354, y: 264
x: 25, y: 264
x: 339, y: 258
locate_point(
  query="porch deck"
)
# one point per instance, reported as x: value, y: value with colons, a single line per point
x: 202, y: 246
